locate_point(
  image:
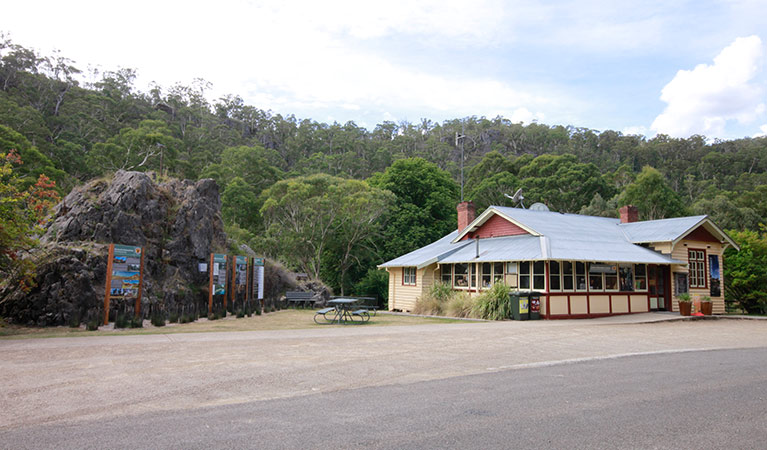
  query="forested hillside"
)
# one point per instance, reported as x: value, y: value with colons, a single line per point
x: 334, y: 200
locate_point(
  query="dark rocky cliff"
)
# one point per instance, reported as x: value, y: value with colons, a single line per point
x: 177, y: 222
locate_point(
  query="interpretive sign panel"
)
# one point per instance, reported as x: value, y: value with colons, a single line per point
x: 239, y: 280
x: 715, y: 280
x: 125, y: 277
x: 217, y: 278
x: 241, y: 272
x: 258, y: 278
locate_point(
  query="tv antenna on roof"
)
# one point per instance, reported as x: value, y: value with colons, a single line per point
x: 459, y: 138
x: 517, y: 198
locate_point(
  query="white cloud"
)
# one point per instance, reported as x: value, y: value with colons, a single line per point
x: 634, y: 131
x: 523, y: 115
x: 763, y: 131
x: 703, y: 100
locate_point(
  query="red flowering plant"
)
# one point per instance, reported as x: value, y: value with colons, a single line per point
x: 22, y: 214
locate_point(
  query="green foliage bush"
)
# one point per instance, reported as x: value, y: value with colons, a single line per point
x: 374, y: 284
x: 493, y: 304
x: 121, y: 321
x: 460, y: 304
x: 93, y: 324
x: 432, y: 302
x: 158, y: 319
x: 74, y: 320
x: 745, y: 271
x: 442, y: 300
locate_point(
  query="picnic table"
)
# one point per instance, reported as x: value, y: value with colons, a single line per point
x: 342, y: 311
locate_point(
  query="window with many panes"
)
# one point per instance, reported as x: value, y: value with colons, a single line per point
x: 497, y: 272
x: 460, y: 275
x: 596, y: 281
x: 567, y: 276
x: 539, y: 275
x: 447, y: 273
x: 487, y: 274
x: 697, y: 262
x: 626, y: 277
x: 603, y: 277
x: 580, y: 276
x: 561, y: 276
x: 640, y: 277
x: 555, y: 276
x: 408, y: 276
x: 524, y: 275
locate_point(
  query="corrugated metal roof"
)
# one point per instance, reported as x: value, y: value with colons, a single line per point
x: 607, y: 251
x: 567, y: 226
x: 663, y: 230
x: 429, y: 254
x: 566, y: 237
x: 509, y: 248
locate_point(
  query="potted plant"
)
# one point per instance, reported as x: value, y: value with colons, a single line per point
x: 685, y: 304
x: 706, y: 305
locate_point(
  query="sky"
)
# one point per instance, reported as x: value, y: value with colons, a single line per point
x: 639, y: 67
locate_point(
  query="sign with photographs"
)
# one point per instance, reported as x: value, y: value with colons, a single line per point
x: 218, y: 274
x: 714, y: 276
x: 241, y: 272
x: 216, y: 279
x: 124, y: 276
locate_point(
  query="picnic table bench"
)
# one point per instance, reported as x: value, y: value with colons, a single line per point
x: 344, y: 310
x: 297, y: 298
x: 367, y: 303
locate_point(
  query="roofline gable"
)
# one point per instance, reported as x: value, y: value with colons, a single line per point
x: 485, y: 216
x: 707, y: 221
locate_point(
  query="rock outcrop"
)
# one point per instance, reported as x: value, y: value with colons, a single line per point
x: 177, y: 222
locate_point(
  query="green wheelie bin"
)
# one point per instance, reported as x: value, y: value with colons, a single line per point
x: 519, y: 305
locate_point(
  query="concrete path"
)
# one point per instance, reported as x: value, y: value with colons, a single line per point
x: 73, y: 379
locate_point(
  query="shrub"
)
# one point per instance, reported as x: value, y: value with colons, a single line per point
x: 240, y: 313
x: 173, y: 317
x: 158, y: 319
x: 459, y: 305
x: 121, y: 321
x: 493, y: 304
x: 434, y: 302
x: 74, y: 320
x: 93, y: 324
x: 137, y: 322
x: 428, y: 305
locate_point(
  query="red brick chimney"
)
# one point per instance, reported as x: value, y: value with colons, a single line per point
x: 629, y: 214
x: 466, y: 214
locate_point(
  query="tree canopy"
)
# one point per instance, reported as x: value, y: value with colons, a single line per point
x: 266, y: 163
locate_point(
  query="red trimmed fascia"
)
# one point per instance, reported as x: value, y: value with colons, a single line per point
x: 496, y: 226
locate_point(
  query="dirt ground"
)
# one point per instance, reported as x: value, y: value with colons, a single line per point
x: 287, y: 319
x: 78, y: 378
